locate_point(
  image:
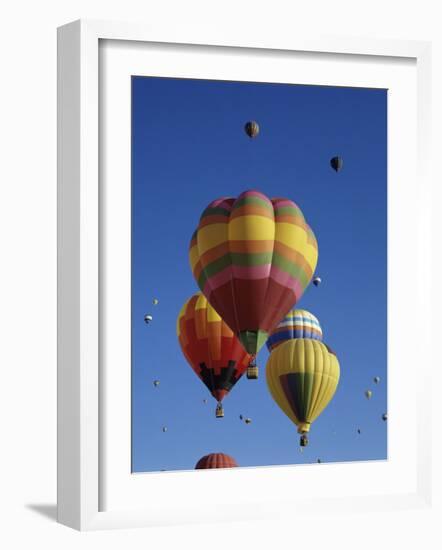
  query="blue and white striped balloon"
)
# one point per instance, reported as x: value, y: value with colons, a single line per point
x: 298, y: 323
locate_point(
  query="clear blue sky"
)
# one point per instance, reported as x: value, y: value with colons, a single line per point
x: 189, y: 147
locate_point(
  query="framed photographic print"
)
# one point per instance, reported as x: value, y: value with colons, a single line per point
x: 234, y: 230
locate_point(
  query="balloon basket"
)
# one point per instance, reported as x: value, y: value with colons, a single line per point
x: 219, y: 413
x: 303, y: 440
x: 252, y: 372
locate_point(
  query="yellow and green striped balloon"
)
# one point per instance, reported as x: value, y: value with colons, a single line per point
x: 302, y: 377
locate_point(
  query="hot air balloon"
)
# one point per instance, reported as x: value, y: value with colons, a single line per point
x: 336, y: 163
x: 302, y: 376
x: 164, y: 429
x: 216, y: 460
x: 359, y: 431
x: 155, y: 301
x: 212, y: 350
x: 156, y: 383
x: 148, y: 318
x: 251, y: 128
x: 298, y: 323
x: 248, y: 420
x: 376, y: 379
x: 368, y: 394
x: 317, y: 281
x: 253, y: 257
x: 385, y: 417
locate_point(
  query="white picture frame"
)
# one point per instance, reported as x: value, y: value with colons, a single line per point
x: 82, y: 442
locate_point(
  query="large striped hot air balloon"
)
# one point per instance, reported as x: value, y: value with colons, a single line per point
x: 212, y: 350
x: 302, y: 376
x: 253, y: 257
x: 216, y: 460
x: 298, y: 323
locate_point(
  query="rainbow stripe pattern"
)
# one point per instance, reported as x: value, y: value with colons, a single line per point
x: 253, y: 257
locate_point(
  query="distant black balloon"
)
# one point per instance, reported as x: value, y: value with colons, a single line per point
x: 337, y: 163
x: 251, y: 128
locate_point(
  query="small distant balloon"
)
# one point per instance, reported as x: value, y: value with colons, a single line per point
x: 336, y: 163
x: 204, y: 401
x: 368, y: 394
x: 248, y: 420
x: 385, y: 417
x: 148, y: 319
x: 241, y: 417
x: 156, y: 383
x: 319, y: 461
x: 251, y: 128
x: 155, y: 301
x: 317, y: 281
x: 376, y: 379
x: 359, y: 430
x: 164, y: 429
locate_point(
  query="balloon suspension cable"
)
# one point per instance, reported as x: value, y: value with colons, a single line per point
x: 303, y: 440
x: 219, y: 413
x: 252, y: 369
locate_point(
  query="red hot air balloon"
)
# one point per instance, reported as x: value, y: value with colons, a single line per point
x: 212, y: 350
x: 215, y: 460
x: 253, y: 257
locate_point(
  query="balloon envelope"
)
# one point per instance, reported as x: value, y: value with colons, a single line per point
x: 251, y: 128
x: 336, y: 163
x: 302, y: 377
x: 253, y: 257
x: 298, y: 323
x: 215, y: 460
x: 209, y: 345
